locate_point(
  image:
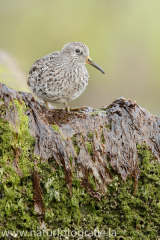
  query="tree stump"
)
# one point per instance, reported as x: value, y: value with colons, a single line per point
x: 89, y: 172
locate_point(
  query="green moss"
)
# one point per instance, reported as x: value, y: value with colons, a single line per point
x: 131, y: 216
x: 97, y: 112
x: 75, y: 144
x: 61, y: 209
x: 89, y: 144
x: 55, y: 128
x: 71, y: 159
x: 2, y: 109
x: 92, y: 181
x: 108, y: 126
x: 16, y: 205
x: 90, y: 135
x: 102, y: 137
x: 89, y: 148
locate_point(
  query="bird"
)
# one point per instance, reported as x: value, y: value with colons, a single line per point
x: 61, y: 76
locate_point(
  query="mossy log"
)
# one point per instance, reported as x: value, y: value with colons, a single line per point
x: 94, y: 170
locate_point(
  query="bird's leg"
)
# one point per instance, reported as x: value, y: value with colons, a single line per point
x: 47, y: 105
x: 66, y: 107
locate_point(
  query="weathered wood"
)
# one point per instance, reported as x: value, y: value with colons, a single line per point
x: 89, y: 140
x: 90, y: 151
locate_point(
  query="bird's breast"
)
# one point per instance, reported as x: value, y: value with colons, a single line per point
x: 75, y: 75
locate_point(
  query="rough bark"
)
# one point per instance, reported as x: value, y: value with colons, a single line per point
x: 89, y: 144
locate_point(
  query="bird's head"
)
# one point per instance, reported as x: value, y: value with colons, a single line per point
x: 78, y: 53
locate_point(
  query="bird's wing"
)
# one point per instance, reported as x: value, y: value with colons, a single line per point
x: 50, y: 58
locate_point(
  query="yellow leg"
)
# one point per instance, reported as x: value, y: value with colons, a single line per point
x: 66, y: 107
x: 75, y: 109
x: 46, y: 104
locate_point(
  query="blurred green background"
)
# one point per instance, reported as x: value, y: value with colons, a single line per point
x: 123, y: 38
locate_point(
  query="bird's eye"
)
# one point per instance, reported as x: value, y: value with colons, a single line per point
x: 78, y: 50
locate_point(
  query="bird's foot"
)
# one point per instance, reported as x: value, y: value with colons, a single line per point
x: 68, y: 109
x: 75, y: 109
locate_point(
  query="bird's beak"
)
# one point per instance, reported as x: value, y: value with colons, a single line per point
x: 91, y: 62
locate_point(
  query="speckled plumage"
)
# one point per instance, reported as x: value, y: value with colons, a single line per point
x: 61, y: 77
